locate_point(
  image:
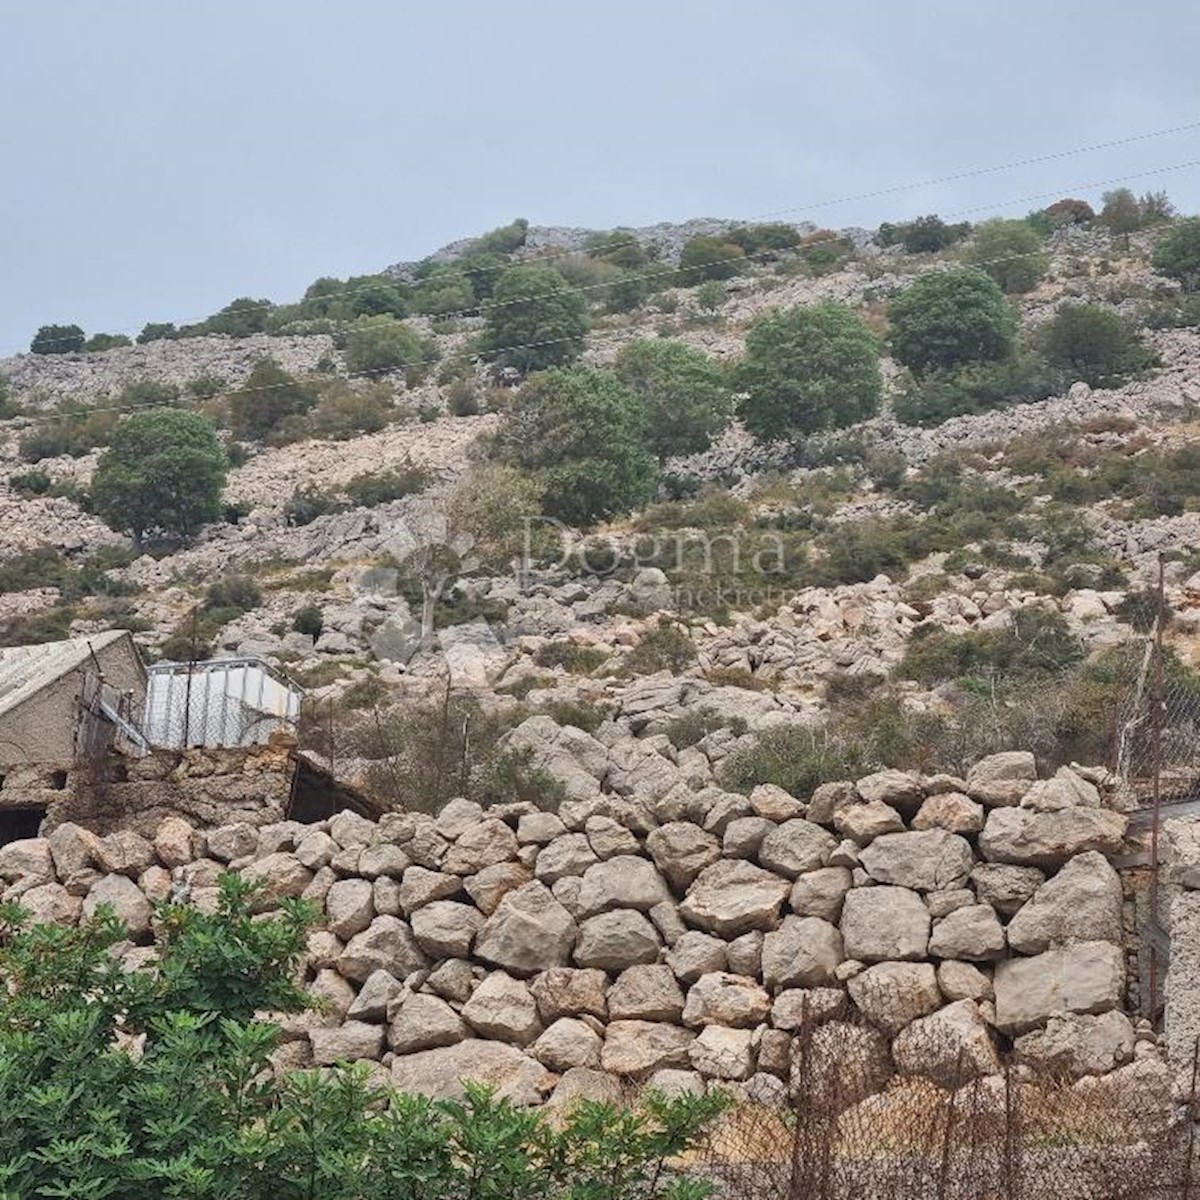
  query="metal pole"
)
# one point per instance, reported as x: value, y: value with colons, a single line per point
x: 187, y: 691
x: 1156, y: 719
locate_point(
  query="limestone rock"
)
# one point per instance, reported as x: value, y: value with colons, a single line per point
x: 568, y: 1043
x: 582, y: 1083
x: 725, y: 999
x: 802, y: 952
x: 387, y: 944
x: 570, y: 992
x: 867, y: 820
x: 681, y: 851
x: 1082, y: 903
x: 348, y: 1042
x: 1008, y: 765
x: 124, y: 897
x: 621, y: 882
x: 744, y: 836
x: 801, y: 1008
x: 279, y: 877
x: 1087, y: 977
x: 608, y: 837
x: 897, y: 788
x: 489, y: 886
x: 539, y: 828
x: 927, y: 861
x: 72, y: 848
x: 952, y: 811
x: 503, y: 1008
x: 568, y: 855
x: 949, y: 1047
x: 881, y: 924
x: 420, y: 886
x: 770, y: 801
x: 173, y: 842
x: 646, y: 993
x: 423, y: 1022
x: 480, y: 846
x: 529, y: 932
x: 375, y: 996
x: 720, y: 1053
x: 636, y: 1047
x: 1005, y: 887
x: 840, y: 1064
x: 383, y: 860
x: 963, y: 981
x: 796, y: 846
x: 446, y: 929
x: 1049, y: 839
x: 730, y: 898
x: 893, y: 994
x: 440, y: 1073
x: 349, y: 907
x: 615, y: 940
x: 820, y: 893
x: 1079, y: 1045
x: 972, y: 934
x: 696, y: 954
x: 51, y: 904
x: 1064, y: 790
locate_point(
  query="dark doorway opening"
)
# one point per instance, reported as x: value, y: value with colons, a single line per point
x: 16, y: 824
x: 316, y: 795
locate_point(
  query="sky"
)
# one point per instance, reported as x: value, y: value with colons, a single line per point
x: 159, y: 158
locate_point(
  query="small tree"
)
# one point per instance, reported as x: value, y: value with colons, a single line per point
x: 58, y: 339
x: 808, y: 369
x: 1011, y: 252
x: 709, y: 258
x: 710, y: 296
x: 239, y: 318
x: 379, y: 345
x: 534, y: 320
x: 268, y: 395
x: 100, y: 342
x: 1121, y: 214
x: 1178, y: 254
x: 948, y: 318
x: 157, y: 331
x: 685, y: 395
x: 1094, y: 344
x: 164, y: 471
x: 583, y: 434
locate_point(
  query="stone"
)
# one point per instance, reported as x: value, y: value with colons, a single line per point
x: 348, y: 1042
x: 721, y: 998
x: 173, y: 842
x: 893, y: 994
x: 681, y: 851
x: 383, y: 859
x: 1076, y: 1045
x: 1082, y: 903
x: 489, y: 886
x: 385, y: 895
x: 668, y: 922
x: 796, y: 846
x: 72, y: 848
x: 731, y: 898
x: 568, y: 1043
x: 576, y: 759
x: 446, y: 928
x: 51, y: 904
x: 727, y: 807
x: 124, y: 853
x: 673, y: 1083
x: 1064, y: 790
x: 1003, y: 767
x: 582, y: 1083
x: 421, y: 886
x: 648, y: 992
x: 423, y: 1022
x: 380, y: 990
x: 839, y: 1065
x: 882, y: 924
x: 951, y: 811
x: 744, y: 836
x: 480, y: 846
x: 1137, y: 1098
x: 279, y: 877
x: 949, y: 1047
x: 615, y: 940
x: 622, y: 882
x: 503, y: 1008
x: 440, y: 1073
x: 1005, y: 887
x: 771, y: 801
x: 897, y: 788
x: 349, y: 829
x: 801, y: 1008
x: 571, y: 992
x: 928, y: 861
x: 1087, y: 977
x: 775, y: 1053
x: 638, y: 1047
x: 963, y: 981
x: 456, y: 817
x: 973, y: 934
x: 570, y: 854
x: 529, y: 932
x: 828, y: 798
x: 609, y: 838
x: 349, y: 907
x: 820, y: 893
x: 539, y: 828
x: 942, y: 904
x: 452, y: 980
x: 720, y: 1053
x: 696, y: 954
x: 863, y: 822
x: 1048, y: 839
x: 802, y: 952
x: 745, y: 954
x: 387, y: 944
x: 333, y: 994
x: 124, y: 897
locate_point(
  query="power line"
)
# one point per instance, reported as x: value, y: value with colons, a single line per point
x: 893, y: 189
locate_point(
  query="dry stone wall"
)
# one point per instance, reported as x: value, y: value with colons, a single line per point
x: 946, y: 922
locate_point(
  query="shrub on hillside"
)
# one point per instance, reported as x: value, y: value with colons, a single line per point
x: 806, y: 370
x: 267, y: 397
x: 1095, y: 344
x: 58, y: 339
x: 382, y: 487
x: 666, y: 647
x: 949, y: 318
x: 1011, y: 252
x: 157, y: 331
x: 1177, y: 255
x: 925, y: 235
x: 939, y: 395
x: 705, y: 257
x: 381, y: 345
x: 534, y: 320
x: 100, y: 342
x: 240, y: 318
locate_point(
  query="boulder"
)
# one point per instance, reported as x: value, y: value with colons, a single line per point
x: 576, y: 759
x: 125, y: 853
x: 375, y: 997
x: 696, y: 954
x: 648, y: 992
x: 1048, y: 839
x: 1087, y: 977
x: 802, y: 952
x: 349, y: 907
x: 382, y: 861
x: 681, y: 851
x: 952, y: 811
x: 731, y: 898
x: 348, y: 1042
x: 796, y: 846
x: 423, y: 1022
x: 892, y: 994
x: 503, y: 1008
x: 173, y: 842
x: 581, y: 1083
x: 770, y: 801
x: 387, y: 944
x: 1006, y: 766
x: 721, y: 998
x: 972, y: 933
x: 228, y: 842
x: 1064, y: 790
x: 420, y: 886
x: 949, y: 1047
x: 745, y: 954
x: 446, y: 929
x: 489, y: 886
x: 1078, y: 1045
x: 480, y: 846
x: 539, y: 828
x: 72, y: 848
x: 1082, y: 903
x: 867, y: 820
x: 838, y: 1065
x: 567, y: 1044
x: 1005, y: 887
x: 279, y: 877
x: 622, y: 882
x: 882, y: 924
x: 456, y: 817
x: 440, y: 1073
x: 349, y: 829
x: 801, y: 1008
x: 571, y: 854
x: 615, y: 940
x: 570, y: 992
x: 608, y: 837
x: 963, y: 981
x: 637, y: 1047
x: 820, y: 893
x: 124, y: 897
x: 896, y: 788
x: 744, y: 836
x: 926, y: 861
x: 529, y: 932
x: 720, y: 1053
x: 51, y: 904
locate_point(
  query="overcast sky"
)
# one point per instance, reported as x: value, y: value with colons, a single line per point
x: 161, y: 157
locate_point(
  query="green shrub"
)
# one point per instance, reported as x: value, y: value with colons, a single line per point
x: 1177, y: 255
x: 1011, y: 252
x: 309, y: 503
x: 236, y: 592
x: 99, y: 342
x: 164, y: 471
x: 58, y: 339
x: 1121, y: 214
x: 710, y: 296
x: 666, y: 647
x: 1094, y: 344
x: 925, y: 235
x: 382, y: 487
x: 30, y: 483
x: 309, y: 620
x: 806, y: 370
x: 774, y: 235
x: 797, y: 760
x: 940, y: 394
x: 697, y: 723
x: 268, y: 396
x: 574, y: 658
x: 381, y: 345
x: 705, y: 257
x: 534, y: 320
x: 240, y: 318
x: 157, y: 332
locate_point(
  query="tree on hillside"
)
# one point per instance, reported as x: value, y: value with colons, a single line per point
x: 157, y: 331
x: 1178, y: 254
x: 380, y: 345
x: 242, y: 317
x: 1011, y: 252
x: 808, y: 369
x: 99, y: 342
x: 163, y: 471
x: 582, y: 434
x: 58, y: 339
x: 1093, y: 343
x: 1121, y: 214
x: 948, y: 318
x: 685, y: 394
x: 705, y: 257
x: 534, y: 320
x: 268, y: 395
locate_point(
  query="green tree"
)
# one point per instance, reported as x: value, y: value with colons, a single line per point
x: 947, y: 318
x: 99, y: 342
x: 1095, y: 344
x: 705, y: 257
x: 686, y: 397
x: 58, y: 339
x: 443, y: 291
x: 157, y: 331
x: 710, y: 296
x: 808, y: 369
x: 628, y: 291
x: 379, y: 345
x: 163, y: 471
x: 242, y: 317
x: 925, y: 235
x: 620, y: 247
x: 268, y: 395
x: 1177, y: 255
x: 582, y: 433
x: 534, y: 320
x: 1011, y: 252
x: 1121, y: 214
